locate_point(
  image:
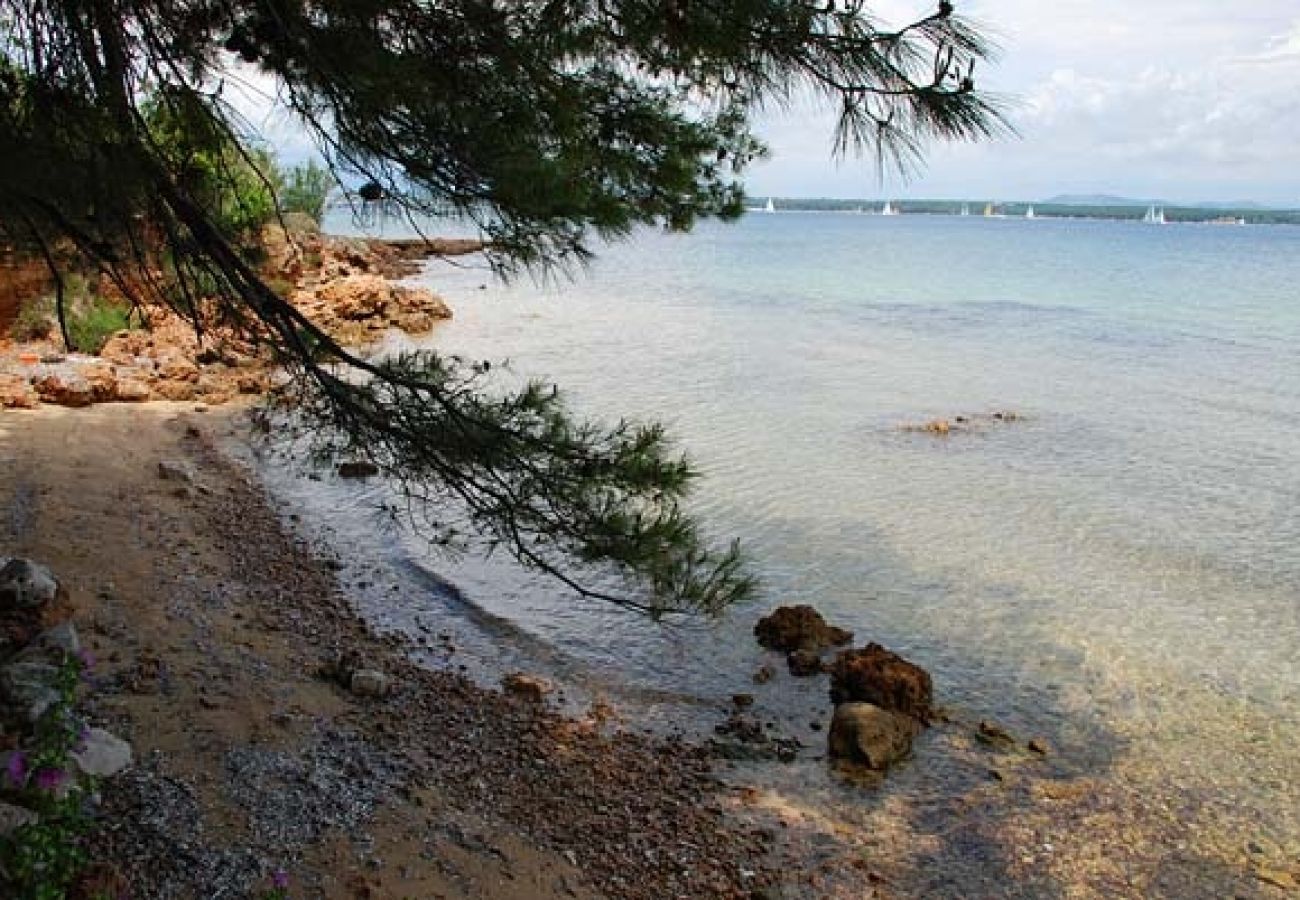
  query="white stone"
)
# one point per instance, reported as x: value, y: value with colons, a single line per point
x: 103, y: 754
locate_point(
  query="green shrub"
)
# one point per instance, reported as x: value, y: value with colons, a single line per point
x: 35, y: 320
x: 304, y: 189
x: 92, y: 324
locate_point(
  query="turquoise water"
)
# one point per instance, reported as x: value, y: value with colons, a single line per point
x: 1118, y: 570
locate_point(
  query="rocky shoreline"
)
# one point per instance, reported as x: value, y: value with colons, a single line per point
x: 220, y: 639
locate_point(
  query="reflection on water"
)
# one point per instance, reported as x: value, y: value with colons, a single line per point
x: 1115, y: 572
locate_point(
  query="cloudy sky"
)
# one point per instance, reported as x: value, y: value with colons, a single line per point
x: 1182, y: 100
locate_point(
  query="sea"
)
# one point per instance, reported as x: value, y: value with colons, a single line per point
x: 1102, y: 553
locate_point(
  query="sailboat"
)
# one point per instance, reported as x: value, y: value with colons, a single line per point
x: 771, y: 206
x: 991, y: 213
x: 889, y: 209
x: 1029, y: 213
x: 965, y: 209
x: 1154, y: 216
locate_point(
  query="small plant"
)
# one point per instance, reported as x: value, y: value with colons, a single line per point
x: 35, y: 320
x: 40, y: 860
x: 91, y: 325
x: 279, y: 889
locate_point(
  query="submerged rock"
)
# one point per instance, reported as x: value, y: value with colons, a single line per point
x: 866, y: 734
x: 358, y: 468
x: 533, y: 688
x: 878, y: 676
x: 800, y: 627
x: 26, y: 585
x: 804, y: 663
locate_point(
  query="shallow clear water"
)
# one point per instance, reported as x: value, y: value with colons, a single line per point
x: 1118, y: 570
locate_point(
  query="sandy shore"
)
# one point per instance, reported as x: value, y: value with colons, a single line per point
x: 212, y: 624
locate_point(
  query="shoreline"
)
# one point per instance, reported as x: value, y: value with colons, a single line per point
x: 211, y: 624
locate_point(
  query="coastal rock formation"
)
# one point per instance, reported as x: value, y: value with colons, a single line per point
x: 866, y: 734
x: 532, y: 688
x: 790, y: 628
x: 804, y: 663
x: 883, y: 678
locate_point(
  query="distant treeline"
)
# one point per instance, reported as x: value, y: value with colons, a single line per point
x: 1041, y: 210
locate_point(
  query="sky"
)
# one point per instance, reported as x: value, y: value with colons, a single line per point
x: 1181, y: 100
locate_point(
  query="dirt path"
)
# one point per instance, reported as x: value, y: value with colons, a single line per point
x: 211, y: 626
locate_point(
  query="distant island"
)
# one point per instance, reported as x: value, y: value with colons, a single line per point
x: 1064, y: 206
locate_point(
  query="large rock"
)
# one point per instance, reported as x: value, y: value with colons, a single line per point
x: 26, y: 585
x: 532, y: 688
x: 16, y: 392
x: 102, y: 754
x: 866, y: 734
x: 791, y: 628
x: 27, y: 688
x: 878, y: 676
x: 14, y: 817
x: 64, y: 388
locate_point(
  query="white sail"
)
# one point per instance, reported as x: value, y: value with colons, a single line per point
x: 771, y: 206
x: 889, y: 209
x: 965, y: 209
x: 1029, y: 213
x: 1154, y: 216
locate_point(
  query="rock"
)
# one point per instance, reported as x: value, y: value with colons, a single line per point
x: 359, y: 468
x: 994, y: 734
x: 62, y: 640
x: 798, y: 628
x: 370, y: 683
x: 14, y: 817
x: 132, y: 390
x: 26, y: 585
x: 27, y: 686
x: 1039, y: 746
x: 65, y: 388
x: 804, y: 663
x: 530, y: 687
x: 867, y: 734
x: 356, y: 296
x: 876, y: 675
x: 175, y: 470
x: 1278, y: 878
x: 102, y: 754
x: 938, y: 426
x: 742, y: 701
x: 764, y: 675
x: 16, y: 392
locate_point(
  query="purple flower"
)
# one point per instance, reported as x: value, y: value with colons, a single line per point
x: 82, y: 737
x: 16, y: 769
x: 50, y: 779
x: 279, y: 879
x: 87, y: 660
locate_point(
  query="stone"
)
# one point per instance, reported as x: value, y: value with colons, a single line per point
x: 27, y: 686
x: 804, y: 663
x: 370, y: 683
x: 1278, y: 878
x: 865, y: 733
x: 14, y: 817
x: 358, y: 468
x: 878, y: 676
x: 26, y: 585
x: 64, y: 388
x: 175, y: 470
x: 533, y: 688
x: 800, y: 627
x: 16, y: 392
x: 62, y: 640
x: 132, y: 390
x: 742, y: 701
x: 995, y: 735
x: 764, y: 675
x: 102, y: 754
x: 1039, y: 746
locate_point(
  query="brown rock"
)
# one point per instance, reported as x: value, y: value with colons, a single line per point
x: 64, y: 388
x: 355, y: 296
x: 876, y: 675
x: 764, y: 675
x: 798, y: 628
x: 867, y: 734
x: 530, y: 687
x: 804, y: 663
x: 132, y: 390
x: 16, y: 392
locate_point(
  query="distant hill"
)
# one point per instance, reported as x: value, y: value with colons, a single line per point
x: 1101, y: 200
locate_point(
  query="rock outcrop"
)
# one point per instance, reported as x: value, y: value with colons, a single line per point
x: 883, y: 678
x: 791, y: 628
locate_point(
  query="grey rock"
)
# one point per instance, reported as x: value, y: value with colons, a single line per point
x: 863, y: 733
x: 27, y: 685
x: 26, y: 585
x: 175, y: 470
x: 370, y: 683
x: 102, y: 754
x: 59, y: 640
x: 14, y: 817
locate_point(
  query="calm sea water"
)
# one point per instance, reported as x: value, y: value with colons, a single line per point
x: 1117, y: 571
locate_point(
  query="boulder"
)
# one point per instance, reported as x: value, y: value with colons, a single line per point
x: 533, y: 688
x: 27, y: 688
x: 356, y: 297
x: 64, y: 388
x: 26, y: 585
x: 370, y: 683
x: 878, y: 676
x: 14, y: 817
x: 59, y: 641
x: 102, y: 753
x: 798, y: 628
x: 804, y: 663
x: 16, y: 392
x: 866, y: 734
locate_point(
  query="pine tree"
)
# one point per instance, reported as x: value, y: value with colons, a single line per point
x: 547, y: 122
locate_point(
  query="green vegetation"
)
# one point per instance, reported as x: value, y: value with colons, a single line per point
x: 304, y: 189
x: 91, y: 319
x: 547, y: 124
x: 41, y: 860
